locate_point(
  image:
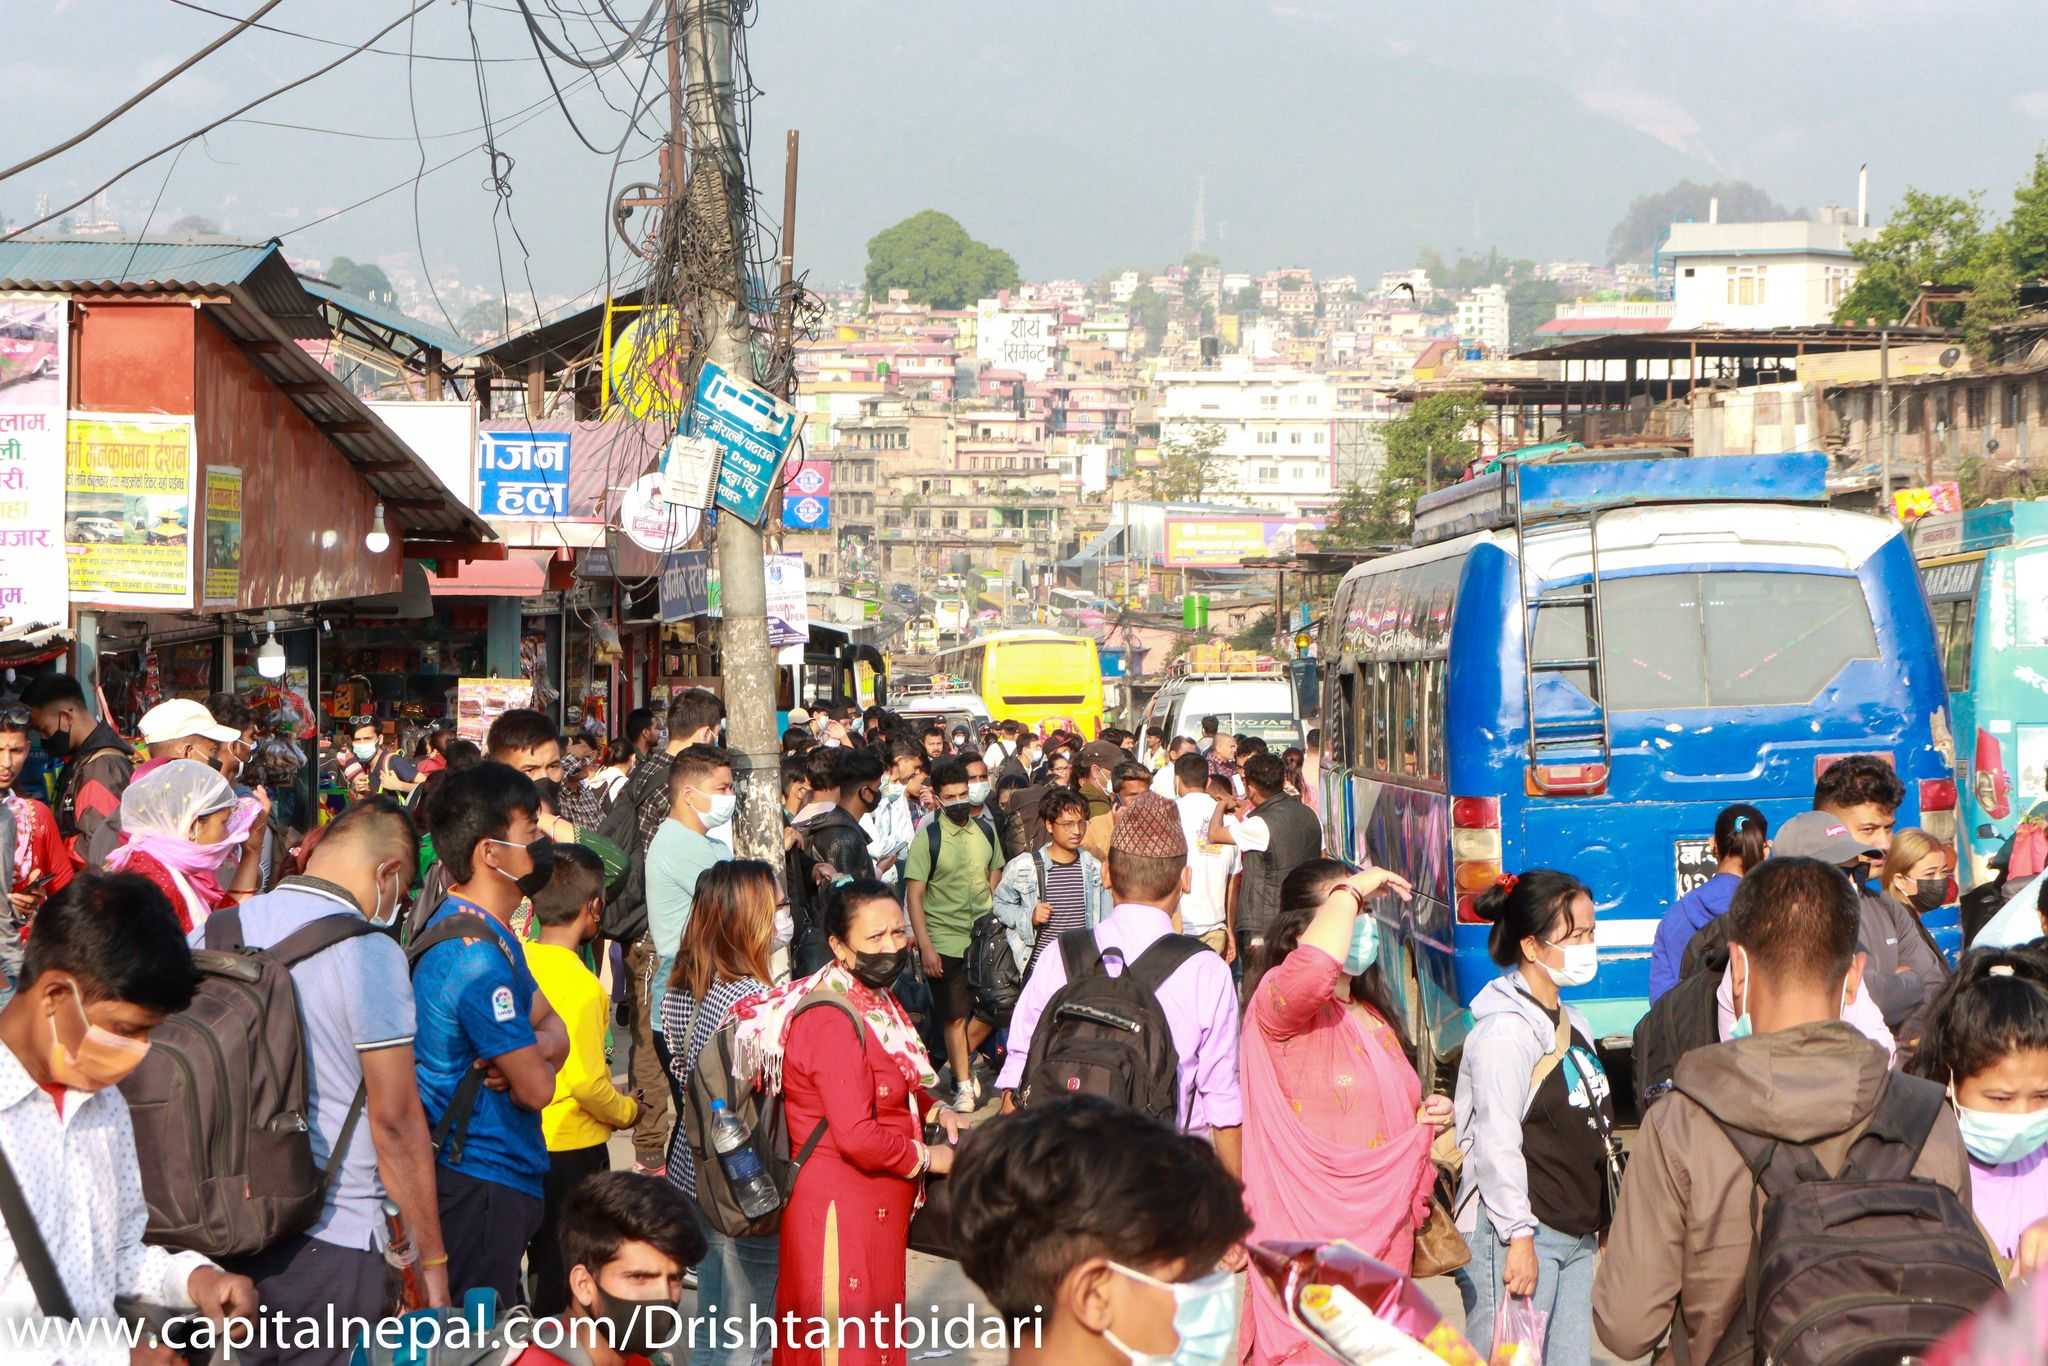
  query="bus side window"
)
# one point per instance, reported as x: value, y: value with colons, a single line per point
x: 1954, y: 625
x: 1343, y: 725
x: 1407, y: 719
x: 1382, y: 718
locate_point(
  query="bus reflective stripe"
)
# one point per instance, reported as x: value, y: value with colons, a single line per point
x: 1631, y: 933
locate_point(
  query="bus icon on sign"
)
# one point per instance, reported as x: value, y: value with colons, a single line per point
x: 747, y: 404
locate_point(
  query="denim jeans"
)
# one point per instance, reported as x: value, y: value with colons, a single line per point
x: 735, y: 1279
x: 1564, y: 1290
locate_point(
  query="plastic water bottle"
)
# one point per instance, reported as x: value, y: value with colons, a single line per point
x: 750, y: 1183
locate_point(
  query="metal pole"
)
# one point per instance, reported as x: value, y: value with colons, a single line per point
x: 1884, y: 404
x: 708, y: 201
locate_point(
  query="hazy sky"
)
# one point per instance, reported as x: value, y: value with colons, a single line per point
x: 1338, y: 134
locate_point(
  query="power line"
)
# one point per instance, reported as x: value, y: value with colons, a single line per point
x: 171, y: 146
x: 139, y: 96
x: 336, y: 42
x: 585, y: 79
x: 610, y: 58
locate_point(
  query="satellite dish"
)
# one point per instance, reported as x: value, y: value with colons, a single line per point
x: 1950, y: 356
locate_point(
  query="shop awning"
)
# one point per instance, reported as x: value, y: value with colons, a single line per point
x: 521, y: 574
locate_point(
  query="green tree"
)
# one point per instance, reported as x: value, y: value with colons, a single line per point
x: 1931, y: 238
x: 487, y: 318
x: 1649, y: 218
x: 1426, y: 448
x: 1199, y: 261
x: 363, y: 279
x: 1149, y: 311
x: 932, y: 256
x: 193, y: 225
x: 2027, y: 230
x: 1351, y: 524
x: 1531, y: 303
x: 1189, y: 467
x: 1993, y: 302
x: 1246, y: 300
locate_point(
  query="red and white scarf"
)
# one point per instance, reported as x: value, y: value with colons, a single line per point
x: 764, y: 1018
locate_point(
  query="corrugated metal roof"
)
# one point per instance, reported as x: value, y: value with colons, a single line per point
x: 167, y: 266
x: 389, y: 316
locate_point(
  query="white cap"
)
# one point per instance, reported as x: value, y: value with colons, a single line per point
x: 178, y: 718
x: 798, y: 716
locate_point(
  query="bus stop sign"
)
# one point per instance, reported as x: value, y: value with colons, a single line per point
x: 756, y: 429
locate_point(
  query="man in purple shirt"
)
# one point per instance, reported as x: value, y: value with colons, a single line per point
x: 1148, y: 854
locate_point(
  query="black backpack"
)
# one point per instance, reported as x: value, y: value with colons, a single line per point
x: 1104, y: 1035
x: 222, y: 1125
x: 1684, y: 1018
x: 1867, y: 1268
x: 625, y: 907
x: 760, y: 1112
x: 452, y: 1129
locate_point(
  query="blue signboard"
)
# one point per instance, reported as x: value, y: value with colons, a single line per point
x: 689, y: 585
x: 755, y: 427
x: 522, y: 475
x: 806, y: 512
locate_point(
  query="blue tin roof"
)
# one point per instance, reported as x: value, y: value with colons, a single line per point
x: 114, y: 266
x: 392, y: 317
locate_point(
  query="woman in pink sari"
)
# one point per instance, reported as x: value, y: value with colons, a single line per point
x: 1336, y: 1137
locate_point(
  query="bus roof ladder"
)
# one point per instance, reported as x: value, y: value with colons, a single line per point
x: 1582, y: 744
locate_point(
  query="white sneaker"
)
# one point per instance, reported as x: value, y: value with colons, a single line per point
x: 966, y: 1099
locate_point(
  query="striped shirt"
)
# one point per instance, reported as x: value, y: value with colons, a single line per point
x: 683, y: 1018
x: 1063, y: 889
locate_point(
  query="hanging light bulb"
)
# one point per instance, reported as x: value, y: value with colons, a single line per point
x: 270, y: 655
x: 378, y: 540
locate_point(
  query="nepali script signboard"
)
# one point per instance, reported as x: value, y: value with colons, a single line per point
x: 128, y: 509
x: 34, y: 339
x: 522, y: 476
x: 222, y: 585
x: 757, y: 430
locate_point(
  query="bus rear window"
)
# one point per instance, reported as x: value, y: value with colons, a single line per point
x: 1046, y: 673
x: 1731, y: 639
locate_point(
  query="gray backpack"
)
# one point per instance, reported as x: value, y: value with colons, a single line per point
x: 222, y: 1127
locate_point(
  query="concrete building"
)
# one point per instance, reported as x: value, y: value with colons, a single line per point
x: 1276, y: 449
x: 1401, y: 281
x: 1483, y: 317
x: 1758, y: 275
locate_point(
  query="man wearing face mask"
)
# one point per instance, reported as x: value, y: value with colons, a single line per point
x: 1797, y: 1074
x: 627, y: 1241
x: 105, y: 966
x: 182, y: 729
x: 356, y: 1014
x: 479, y: 1010
x: 949, y: 883
x: 892, y: 823
x: 98, y: 766
x: 701, y: 800
x: 837, y: 836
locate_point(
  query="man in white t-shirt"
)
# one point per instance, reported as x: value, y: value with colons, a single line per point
x: 1205, y: 909
x: 1163, y: 782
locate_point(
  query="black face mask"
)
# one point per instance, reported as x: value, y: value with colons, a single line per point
x: 638, y: 1327
x: 58, y: 744
x: 542, y: 851
x: 960, y: 812
x: 1930, y: 893
x: 550, y: 793
x: 880, y: 970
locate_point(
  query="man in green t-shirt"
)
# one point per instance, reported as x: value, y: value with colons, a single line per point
x: 945, y: 897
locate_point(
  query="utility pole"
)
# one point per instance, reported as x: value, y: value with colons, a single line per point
x: 710, y: 204
x: 1884, y: 405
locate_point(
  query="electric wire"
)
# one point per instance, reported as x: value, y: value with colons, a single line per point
x: 338, y: 42
x: 139, y: 96
x: 136, y: 165
x: 610, y: 58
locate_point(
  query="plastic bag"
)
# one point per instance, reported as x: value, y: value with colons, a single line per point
x: 1518, y: 1332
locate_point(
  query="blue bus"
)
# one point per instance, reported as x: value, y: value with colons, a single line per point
x: 1986, y: 574
x: 1705, y: 631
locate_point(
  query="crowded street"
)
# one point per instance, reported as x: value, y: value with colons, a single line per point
x: 1375, y: 713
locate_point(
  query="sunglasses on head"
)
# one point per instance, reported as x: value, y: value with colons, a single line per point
x: 13, y: 716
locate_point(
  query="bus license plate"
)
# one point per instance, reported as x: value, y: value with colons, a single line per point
x: 1694, y: 860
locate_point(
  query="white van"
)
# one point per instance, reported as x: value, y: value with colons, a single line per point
x: 1261, y: 704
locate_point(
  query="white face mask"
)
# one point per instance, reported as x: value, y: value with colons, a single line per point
x: 977, y: 793
x: 379, y: 916
x: 365, y: 750
x: 892, y: 790
x: 721, y: 808
x: 1581, y: 962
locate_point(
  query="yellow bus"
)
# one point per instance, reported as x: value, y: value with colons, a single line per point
x: 1032, y: 677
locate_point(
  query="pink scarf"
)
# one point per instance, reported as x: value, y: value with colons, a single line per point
x: 1301, y: 1186
x: 763, y: 1031
x: 158, y: 811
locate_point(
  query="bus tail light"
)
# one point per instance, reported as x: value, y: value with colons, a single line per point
x: 1989, y: 782
x: 1567, y: 780
x: 1475, y: 851
x: 1938, y: 808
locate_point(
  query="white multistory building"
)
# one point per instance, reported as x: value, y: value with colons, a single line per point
x: 1483, y: 317
x: 1277, y: 450
x: 1760, y: 274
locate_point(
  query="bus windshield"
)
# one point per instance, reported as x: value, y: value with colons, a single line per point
x: 1046, y: 672
x: 1717, y: 639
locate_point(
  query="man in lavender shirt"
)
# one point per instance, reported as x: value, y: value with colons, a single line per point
x: 1148, y: 858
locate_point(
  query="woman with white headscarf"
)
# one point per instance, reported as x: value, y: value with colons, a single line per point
x: 186, y: 831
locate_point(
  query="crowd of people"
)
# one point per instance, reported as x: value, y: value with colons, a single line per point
x: 1093, y: 1016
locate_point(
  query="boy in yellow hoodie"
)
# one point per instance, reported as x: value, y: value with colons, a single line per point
x: 578, y: 1122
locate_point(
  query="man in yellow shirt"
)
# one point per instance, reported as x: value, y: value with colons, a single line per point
x: 578, y: 1122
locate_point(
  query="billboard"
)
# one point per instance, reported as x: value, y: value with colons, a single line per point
x: 1220, y: 542
x: 523, y: 476
x: 34, y: 381
x: 128, y: 508
x: 1020, y: 340
x: 807, y: 497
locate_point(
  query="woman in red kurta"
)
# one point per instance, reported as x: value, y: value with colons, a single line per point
x: 846, y: 1231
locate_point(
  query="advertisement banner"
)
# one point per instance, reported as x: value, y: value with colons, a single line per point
x: 1909, y: 505
x: 689, y: 585
x: 522, y: 476
x: 34, y: 337
x: 653, y: 523
x: 1220, y: 542
x: 222, y: 585
x: 128, y: 509
x: 1024, y: 340
x: 480, y: 701
x: 789, y: 610
x: 807, y: 497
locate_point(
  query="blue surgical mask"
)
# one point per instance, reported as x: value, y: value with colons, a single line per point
x: 1743, y: 1027
x: 1365, y: 943
x: 1996, y: 1138
x: 1204, y: 1314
